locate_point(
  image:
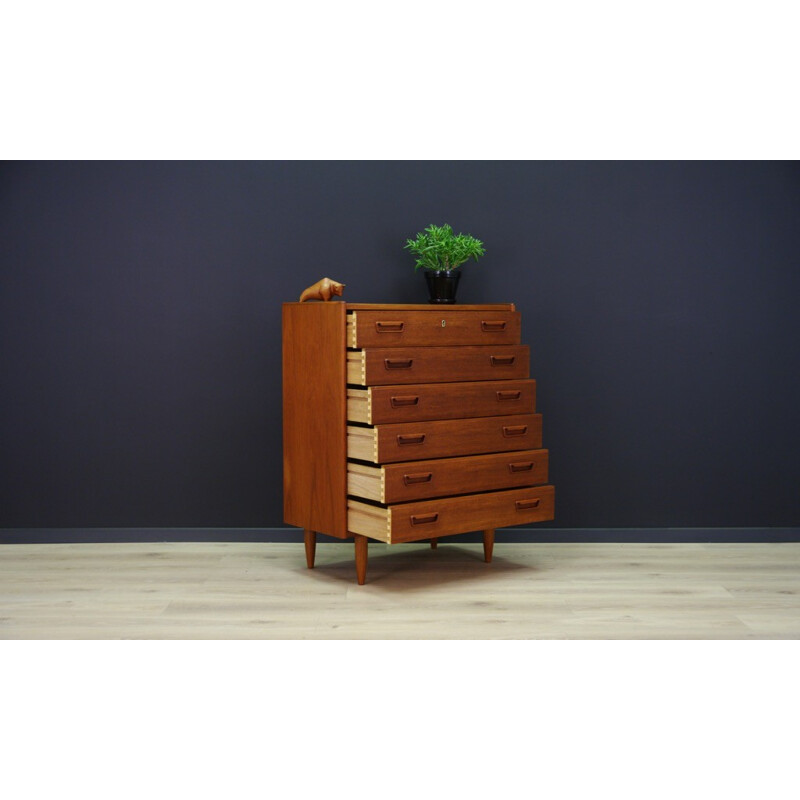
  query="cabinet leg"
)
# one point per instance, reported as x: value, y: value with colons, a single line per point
x: 488, y: 545
x: 310, y: 538
x: 361, y: 558
x: 434, y: 544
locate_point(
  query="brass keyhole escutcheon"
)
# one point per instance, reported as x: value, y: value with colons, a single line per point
x: 443, y: 323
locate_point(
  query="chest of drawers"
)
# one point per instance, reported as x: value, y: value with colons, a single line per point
x: 404, y: 423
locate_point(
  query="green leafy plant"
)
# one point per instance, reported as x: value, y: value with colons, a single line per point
x: 438, y: 248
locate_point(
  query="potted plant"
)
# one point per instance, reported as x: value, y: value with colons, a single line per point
x: 440, y: 253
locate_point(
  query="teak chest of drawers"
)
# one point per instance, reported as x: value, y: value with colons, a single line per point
x: 403, y: 423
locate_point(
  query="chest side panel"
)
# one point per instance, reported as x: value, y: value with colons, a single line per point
x: 314, y: 427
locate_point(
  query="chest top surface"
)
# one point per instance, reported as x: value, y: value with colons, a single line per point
x: 412, y: 306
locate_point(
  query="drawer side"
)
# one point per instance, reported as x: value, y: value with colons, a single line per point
x: 362, y: 443
x: 366, y: 481
x: 368, y: 520
x: 358, y: 406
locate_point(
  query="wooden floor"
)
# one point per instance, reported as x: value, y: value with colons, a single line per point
x: 529, y: 591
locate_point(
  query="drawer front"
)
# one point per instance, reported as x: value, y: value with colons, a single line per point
x: 418, y: 480
x: 435, y: 327
x: 410, y: 522
x: 428, y: 519
x: 394, y: 365
x: 418, y: 402
x: 413, y: 441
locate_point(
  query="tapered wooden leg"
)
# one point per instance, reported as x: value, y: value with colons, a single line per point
x: 361, y: 558
x: 488, y: 545
x: 434, y: 544
x: 310, y: 538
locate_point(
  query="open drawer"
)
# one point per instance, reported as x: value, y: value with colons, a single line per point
x: 392, y: 365
x: 430, y: 401
x: 409, y: 522
x: 397, y: 327
x: 414, y: 441
x: 442, y: 477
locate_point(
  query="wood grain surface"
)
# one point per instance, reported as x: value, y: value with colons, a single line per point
x: 400, y: 327
x: 410, y: 522
x: 440, y: 477
x: 417, y: 402
x: 450, y: 476
x: 396, y: 365
x: 443, y: 516
x: 314, y: 432
x: 412, y: 441
x: 429, y: 307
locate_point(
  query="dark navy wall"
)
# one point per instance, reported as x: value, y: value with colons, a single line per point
x: 140, y: 327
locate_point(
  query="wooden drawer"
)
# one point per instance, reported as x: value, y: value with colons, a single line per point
x: 408, y: 522
x: 392, y: 328
x: 394, y: 365
x: 412, y: 441
x: 427, y: 401
x: 440, y: 477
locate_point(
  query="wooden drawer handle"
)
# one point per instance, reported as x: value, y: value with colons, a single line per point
x: 411, y: 438
x: 404, y: 400
x: 515, y: 430
x: 521, y: 466
x: 509, y: 395
x: 491, y: 325
x: 523, y: 504
x: 389, y: 327
x: 424, y: 519
x: 502, y: 361
x: 417, y: 477
x: 398, y: 363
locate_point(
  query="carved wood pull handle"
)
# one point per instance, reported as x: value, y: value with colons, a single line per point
x: 417, y: 477
x: 492, y: 325
x: 389, y: 327
x: 411, y: 438
x: 521, y: 466
x: 523, y: 504
x: 502, y: 361
x: 424, y: 519
x: 515, y: 430
x: 509, y: 395
x: 404, y: 400
x: 398, y: 363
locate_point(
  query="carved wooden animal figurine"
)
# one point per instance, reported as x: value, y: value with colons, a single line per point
x: 323, y: 289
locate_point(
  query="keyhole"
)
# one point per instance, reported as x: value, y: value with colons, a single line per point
x: 443, y: 323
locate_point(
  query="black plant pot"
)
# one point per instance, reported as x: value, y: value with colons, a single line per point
x: 442, y: 285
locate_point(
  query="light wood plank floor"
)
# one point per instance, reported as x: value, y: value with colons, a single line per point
x: 529, y: 591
